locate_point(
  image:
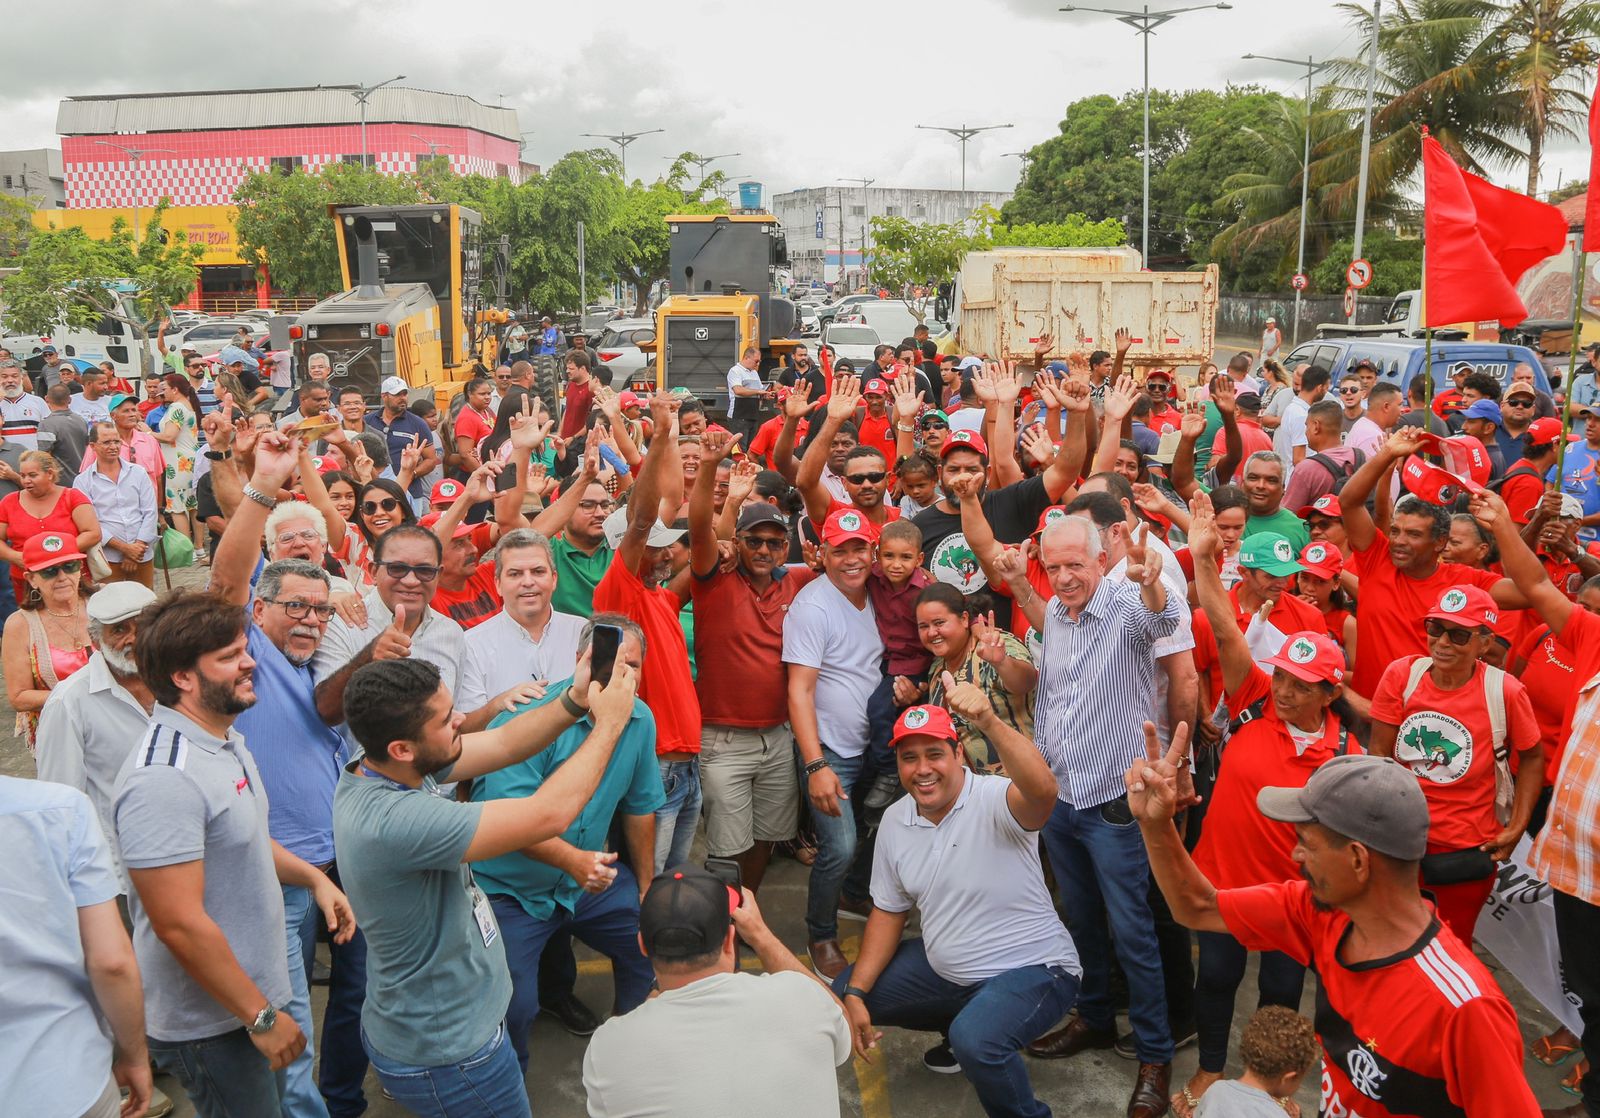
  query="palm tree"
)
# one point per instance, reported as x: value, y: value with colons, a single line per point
x: 1547, y: 49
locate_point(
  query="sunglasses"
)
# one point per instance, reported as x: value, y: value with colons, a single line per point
x: 70, y: 567
x: 299, y: 611
x: 425, y: 572
x: 866, y: 479
x: 935, y: 425
x: 1518, y: 404
x: 766, y: 543
x: 1436, y: 629
x: 1349, y: 391
x: 388, y: 504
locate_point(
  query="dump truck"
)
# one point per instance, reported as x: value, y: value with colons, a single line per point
x: 1005, y: 299
x: 423, y: 299
x: 723, y: 299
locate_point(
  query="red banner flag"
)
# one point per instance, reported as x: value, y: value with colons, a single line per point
x: 1478, y: 239
x: 1591, y: 202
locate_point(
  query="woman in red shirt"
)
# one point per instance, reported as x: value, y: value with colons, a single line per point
x: 42, y: 505
x: 1285, y: 726
x: 473, y: 425
x: 1318, y: 586
x: 1438, y: 721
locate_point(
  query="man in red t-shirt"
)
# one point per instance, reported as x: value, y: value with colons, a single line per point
x: 1401, y: 574
x: 1163, y: 416
x: 580, y: 393
x: 747, y: 769
x: 632, y: 587
x: 876, y: 427
x: 1411, y: 1023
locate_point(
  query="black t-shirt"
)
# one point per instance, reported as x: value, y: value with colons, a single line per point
x: 205, y: 506
x: 812, y: 376
x: 1013, y: 512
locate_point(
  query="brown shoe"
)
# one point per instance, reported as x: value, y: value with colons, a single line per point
x: 1150, y: 1093
x: 827, y: 960
x: 1071, y: 1039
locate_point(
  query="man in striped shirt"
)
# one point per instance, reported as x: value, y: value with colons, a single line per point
x: 1096, y: 685
x: 20, y: 410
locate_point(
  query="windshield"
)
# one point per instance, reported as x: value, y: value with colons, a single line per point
x: 853, y: 335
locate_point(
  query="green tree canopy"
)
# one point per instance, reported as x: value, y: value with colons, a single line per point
x: 16, y: 225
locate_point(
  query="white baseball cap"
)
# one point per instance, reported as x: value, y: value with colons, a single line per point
x: 616, y: 526
x: 393, y: 386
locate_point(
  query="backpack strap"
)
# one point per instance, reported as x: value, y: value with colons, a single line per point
x: 1494, y: 694
x: 1248, y: 715
x: 1419, y: 668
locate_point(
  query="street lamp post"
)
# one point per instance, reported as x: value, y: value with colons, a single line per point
x: 622, y: 140
x: 433, y: 148
x: 1366, y: 146
x: 963, y: 133
x: 361, y: 93
x: 701, y: 161
x: 1312, y: 66
x: 134, y: 156
x: 863, y: 184
x: 1145, y: 22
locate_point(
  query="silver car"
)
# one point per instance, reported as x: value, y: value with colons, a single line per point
x: 617, y: 347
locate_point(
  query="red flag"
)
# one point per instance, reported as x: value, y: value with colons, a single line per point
x: 1591, y: 203
x: 1478, y: 239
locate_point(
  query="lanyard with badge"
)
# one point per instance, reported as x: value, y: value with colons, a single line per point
x: 481, y: 912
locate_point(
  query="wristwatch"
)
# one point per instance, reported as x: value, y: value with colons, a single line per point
x: 260, y: 498
x: 855, y: 991
x: 219, y: 455
x: 264, y: 1021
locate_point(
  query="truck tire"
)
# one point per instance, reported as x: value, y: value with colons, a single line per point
x: 547, y: 382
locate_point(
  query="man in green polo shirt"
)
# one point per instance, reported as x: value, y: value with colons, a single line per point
x: 1263, y: 486
x: 581, y: 553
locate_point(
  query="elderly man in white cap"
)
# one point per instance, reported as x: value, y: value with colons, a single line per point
x: 96, y: 715
x: 1271, y: 340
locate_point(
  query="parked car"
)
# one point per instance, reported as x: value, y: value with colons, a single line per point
x: 810, y: 324
x: 826, y: 312
x: 891, y: 318
x: 618, y: 347
x: 851, y: 341
x: 1399, y: 360
x: 210, y: 337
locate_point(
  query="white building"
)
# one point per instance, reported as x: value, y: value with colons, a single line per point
x: 34, y: 174
x: 827, y: 225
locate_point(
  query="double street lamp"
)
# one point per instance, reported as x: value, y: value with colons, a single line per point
x: 963, y: 133
x: 134, y: 156
x: 361, y: 93
x: 622, y: 140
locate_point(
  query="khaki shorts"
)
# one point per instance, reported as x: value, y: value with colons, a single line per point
x: 750, y: 785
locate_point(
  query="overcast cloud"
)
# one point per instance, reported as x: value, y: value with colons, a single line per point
x: 806, y: 93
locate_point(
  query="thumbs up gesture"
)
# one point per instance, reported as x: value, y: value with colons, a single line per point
x: 394, y: 643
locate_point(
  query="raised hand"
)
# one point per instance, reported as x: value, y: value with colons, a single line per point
x: 906, y: 399
x: 590, y: 469
x: 609, y: 402
x: 276, y: 456
x: 1011, y: 564
x: 394, y: 643
x: 965, y: 488
x: 1036, y: 444
x: 1404, y: 442
x: 1074, y: 395
x: 411, y: 454
x: 1204, y: 543
x: 797, y: 403
x: 480, y: 483
x: 991, y: 641
x: 362, y: 466
x: 1119, y: 401
x: 1007, y: 383
x: 528, y: 431
x: 1124, y: 339
x: 715, y: 446
x: 1042, y: 347
x: 1152, y: 781
x: 1489, y: 509
x: 1144, y: 563
x: 1224, y: 394
x: 983, y: 382
x: 742, y: 481
x: 846, y: 395
x: 1193, y: 424
x: 812, y: 555
x: 965, y: 700
x: 613, y: 703
x: 1149, y: 498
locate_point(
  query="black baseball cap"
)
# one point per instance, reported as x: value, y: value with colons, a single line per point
x: 686, y: 913
x: 757, y: 513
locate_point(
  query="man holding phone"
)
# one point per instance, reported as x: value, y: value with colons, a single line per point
x: 569, y: 884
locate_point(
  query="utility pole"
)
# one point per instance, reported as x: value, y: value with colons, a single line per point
x: 865, y: 207
x: 622, y: 140
x: 134, y: 156
x: 1145, y: 23
x: 1312, y: 66
x: 963, y: 133
x: 1366, y: 145
x: 583, y: 279
x: 433, y: 148
x: 361, y: 93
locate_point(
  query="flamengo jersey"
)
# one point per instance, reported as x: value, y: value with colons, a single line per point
x: 1424, y: 1033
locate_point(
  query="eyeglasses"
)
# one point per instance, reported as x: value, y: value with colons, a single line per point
x: 1436, y: 629
x: 766, y: 543
x: 70, y: 567
x: 425, y: 572
x: 596, y: 506
x: 387, y: 504
x: 299, y: 611
x: 307, y: 534
x: 872, y: 478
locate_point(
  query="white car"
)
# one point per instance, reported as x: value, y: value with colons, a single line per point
x: 851, y: 342
x: 810, y: 325
x: 209, y: 337
x: 617, y: 348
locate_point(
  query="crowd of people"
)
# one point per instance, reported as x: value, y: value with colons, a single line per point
x: 1115, y: 681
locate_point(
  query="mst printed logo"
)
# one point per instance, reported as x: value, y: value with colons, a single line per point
x: 956, y: 563
x: 1436, y: 746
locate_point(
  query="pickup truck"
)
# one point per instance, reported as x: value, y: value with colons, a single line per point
x: 1399, y: 360
x: 1403, y: 319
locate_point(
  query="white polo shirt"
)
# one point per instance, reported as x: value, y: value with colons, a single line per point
x: 976, y: 879
x: 500, y: 654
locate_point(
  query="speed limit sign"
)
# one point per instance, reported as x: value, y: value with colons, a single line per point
x: 1299, y: 282
x: 1359, y: 274
x: 1349, y: 301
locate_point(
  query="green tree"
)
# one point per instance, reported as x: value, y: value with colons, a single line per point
x: 638, y: 238
x: 1570, y: 189
x: 906, y: 254
x: 16, y: 225
x: 66, y: 277
x: 1551, y: 52
x: 1396, y: 263
x: 582, y: 186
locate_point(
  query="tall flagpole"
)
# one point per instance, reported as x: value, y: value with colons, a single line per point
x: 1579, y: 274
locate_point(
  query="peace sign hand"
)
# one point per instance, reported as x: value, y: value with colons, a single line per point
x: 1152, y: 781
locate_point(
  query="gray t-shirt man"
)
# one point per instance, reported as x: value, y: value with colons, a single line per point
x: 186, y: 796
x: 65, y: 435
x: 437, y: 982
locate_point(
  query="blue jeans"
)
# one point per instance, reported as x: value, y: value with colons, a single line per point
x: 487, y: 1084
x: 225, y: 1076
x: 1222, y: 961
x: 607, y: 922
x: 836, y: 849
x: 676, y: 819
x: 986, y: 1024
x: 301, y: 1099
x: 343, y: 1067
x: 1102, y: 872
x: 8, y: 596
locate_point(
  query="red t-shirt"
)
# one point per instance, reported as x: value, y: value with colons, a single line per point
x: 21, y: 526
x: 1290, y: 615
x: 738, y: 647
x: 890, y: 511
x: 766, y: 440
x: 1419, y: 1033
x: 877, y: 431
x: 476, y: 601
x: 1250, y: 434
x: 1392, y: 605
x: 1553, y: 691
x: 575, y: 412
x: 1169, y: 419
x: 1522, y: 493
x: 666, y: 686
x: 471, y: 428
x: 1239, y: 846
x: 1452, y: 754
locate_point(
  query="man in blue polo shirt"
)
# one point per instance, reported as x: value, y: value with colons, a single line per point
x: 402, y: 429
x: 569, y: 884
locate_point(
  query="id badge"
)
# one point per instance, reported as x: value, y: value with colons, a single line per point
x: 484, y: 915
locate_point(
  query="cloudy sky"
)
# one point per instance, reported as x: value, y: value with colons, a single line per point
x: 806, y: 93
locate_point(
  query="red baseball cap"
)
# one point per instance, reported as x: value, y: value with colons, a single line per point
x: 445, y: 492
x: 964, y: 440
x: 1463, y: 456
x: 1311, y: 656
x: 1544, y: 432
x: 875, y: 387
x: 1164, y: 374
x: 627, y: 398
x: 1322, y: 559
x: 47, y: 549
x: 1467, y: 606
x: 1050, y: 515
x: 432, y: 518
x: 926, y: 721
x: 848, y: 524
x: 1325, y: 505
x: 1434, y: 485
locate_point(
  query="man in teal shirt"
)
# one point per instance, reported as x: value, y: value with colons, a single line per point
x: 570, y: 883
x: 1263, y: 487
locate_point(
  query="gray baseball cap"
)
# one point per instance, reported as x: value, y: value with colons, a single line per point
x: 1374, y: 800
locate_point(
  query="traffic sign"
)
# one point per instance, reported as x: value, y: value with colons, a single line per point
x: 1299, y: 282
x: 1359, y: 274
x: 1349, y: 301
